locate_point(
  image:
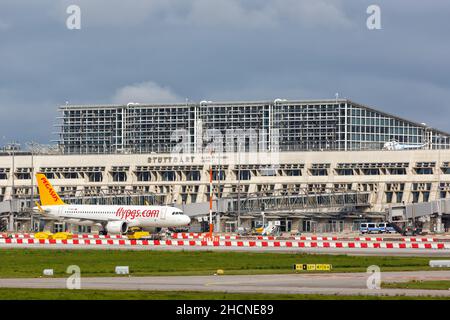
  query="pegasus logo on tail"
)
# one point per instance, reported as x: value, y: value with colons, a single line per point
x: 47, y: 194
x: 49, y: 188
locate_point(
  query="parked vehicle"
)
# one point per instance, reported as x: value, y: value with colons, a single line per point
x: 385, y: 227
x: 368, y: 227
x: 372, y: 227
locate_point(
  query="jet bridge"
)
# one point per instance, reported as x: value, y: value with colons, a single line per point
x: 434, y: 214
x: 330, y: 202
x: 277, y: 201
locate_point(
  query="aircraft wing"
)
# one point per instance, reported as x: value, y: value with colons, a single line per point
x: 78, y: 219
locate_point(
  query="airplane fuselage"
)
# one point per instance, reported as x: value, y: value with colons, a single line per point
x: 134, y: 216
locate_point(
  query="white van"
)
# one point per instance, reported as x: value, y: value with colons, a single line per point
x: 368, y: 227
x: 385, y: 227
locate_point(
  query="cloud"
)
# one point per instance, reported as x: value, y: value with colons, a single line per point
x: 208, y: 13
x: 319, y: 13
x: 219, y: 50
x: 18, y: 112
x: 109, y: 13
x: 4, y: 26
x: 145, y: 92
x: 261, y: 14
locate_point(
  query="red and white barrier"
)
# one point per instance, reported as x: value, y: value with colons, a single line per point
x: 22, y: 235
x: 75, y: 236
x: 231, y: 243
x: 409, y: 239
x: 97, y: 236
x: 188, y: 236
x: 203, y: 236
x: 423, y: 239
x: 192, y: 235
x: 316, y: 238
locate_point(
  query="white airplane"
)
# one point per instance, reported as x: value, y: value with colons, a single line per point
x: 113, y: 219
x: 394, y: 145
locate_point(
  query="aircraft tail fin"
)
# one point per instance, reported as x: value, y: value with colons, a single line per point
x: 47, y: 194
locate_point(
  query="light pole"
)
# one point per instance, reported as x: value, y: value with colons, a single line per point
x: 13, y: 171
x: 263, y: 208
x: 12, y: 147
x: 211, y: 226
x: 219, y: 173
x: 32, y: 145
x: 239, y: 186
x: 262, y: 214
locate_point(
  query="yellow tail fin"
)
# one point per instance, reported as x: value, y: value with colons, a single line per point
x: 48, y: 195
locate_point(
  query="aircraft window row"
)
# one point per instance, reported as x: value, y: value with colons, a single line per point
x: 101, y: 212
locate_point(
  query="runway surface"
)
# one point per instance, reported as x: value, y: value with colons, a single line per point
x: 330, y: 284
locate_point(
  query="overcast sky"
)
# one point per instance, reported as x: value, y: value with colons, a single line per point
x: 170, y: 50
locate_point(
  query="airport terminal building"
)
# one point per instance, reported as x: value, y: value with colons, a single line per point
x: 318, y: 165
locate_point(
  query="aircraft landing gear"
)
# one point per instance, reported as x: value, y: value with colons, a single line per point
x: 103, y: 231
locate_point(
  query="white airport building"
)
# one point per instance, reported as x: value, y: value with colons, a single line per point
x: 315, y: 166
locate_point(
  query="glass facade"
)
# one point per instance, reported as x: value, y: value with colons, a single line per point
x: 297, y: 125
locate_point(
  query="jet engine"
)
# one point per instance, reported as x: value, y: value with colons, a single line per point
x: 116, y: 227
